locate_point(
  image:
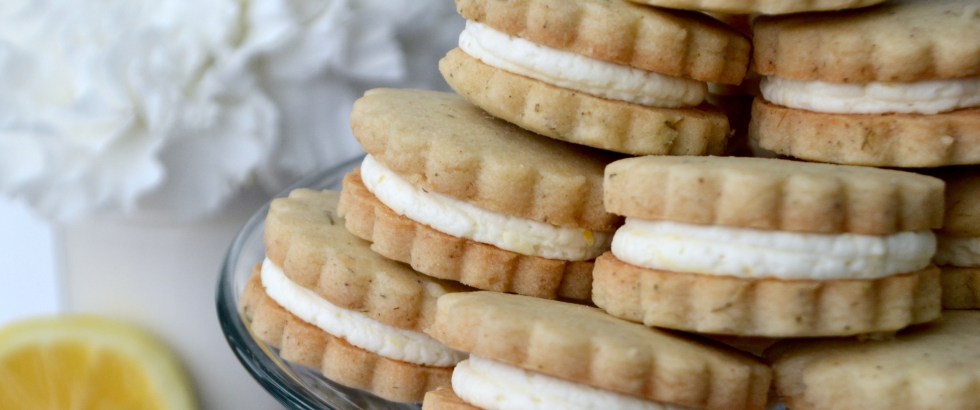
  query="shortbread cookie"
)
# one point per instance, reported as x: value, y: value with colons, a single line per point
x: 533, y: 204
x: 448, y: 257
x: 369, y: 310
x: 585, y: 119
x: 899, y: 140
x: 443, y: 144
x: 607, y: 74
x: 769, y: 248
x: 305, y: 236
x: 901, y: 41
x: 729, y: 305
x: 892, y: 85
x: 529, y: 350
x: 760, y: 6
x: 305, y: 344
x: 928, y: 367
x: 621, y: 33
x: 958, y: 250
x: 774, y: 194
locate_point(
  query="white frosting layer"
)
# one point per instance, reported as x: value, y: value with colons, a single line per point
x: 958, y: 251
x: 355, y: 327
x: 750, y: 253
x: 464, y: 220
x: 492, y: 385
x: 925, y: 97
x: 578, y: 72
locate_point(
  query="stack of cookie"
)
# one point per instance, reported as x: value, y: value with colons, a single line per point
x: 894, y: 85
x: 460, y: 195
x: 511, y: 205
x: 490, y: 201
x: 326, y: 301
x: 873, y: 99
x: 574, y: 164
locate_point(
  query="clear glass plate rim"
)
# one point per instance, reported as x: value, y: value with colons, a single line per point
x: 263, y: 364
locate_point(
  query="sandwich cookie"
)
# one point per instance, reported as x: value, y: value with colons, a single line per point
x: 894, y: 85
x: 768, y: 247
x: 934, y: 366
x: 607, y: 74
x: 464, y: 196
x: 531, y: 353
x: 328, y: 302
x: 760, y: 6
x: 958, y: 250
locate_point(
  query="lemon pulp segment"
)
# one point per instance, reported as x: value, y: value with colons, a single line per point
x: 88, y: 363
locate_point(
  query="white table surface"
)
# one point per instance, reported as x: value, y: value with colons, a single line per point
x: 28, y: 273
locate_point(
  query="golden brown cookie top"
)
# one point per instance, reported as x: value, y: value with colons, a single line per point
x: 933, y: 366
x: 899, y: 41
x: 773, y: 194
x: 441, y: 143
x: 585, y: 345
x: 759, y: 6
x: 668, y: 42
x: 306, y: 238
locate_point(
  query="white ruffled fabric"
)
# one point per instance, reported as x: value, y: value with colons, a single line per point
x: 173, y: 105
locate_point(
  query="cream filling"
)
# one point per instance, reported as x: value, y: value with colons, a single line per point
x: 355, y: 327
x: 751, y: 253
x: 925, y: 97
x: 577, y: 72
x: 492, y: 385
x: 457, y: 218
x: 963, y: 252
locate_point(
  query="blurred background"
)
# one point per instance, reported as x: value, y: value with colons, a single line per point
x: 137, y: 137
x: 29, y: 273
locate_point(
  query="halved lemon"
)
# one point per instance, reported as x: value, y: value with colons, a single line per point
x: 83, y: 362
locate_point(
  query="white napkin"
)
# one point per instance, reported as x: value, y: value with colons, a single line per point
x: 172, y: 106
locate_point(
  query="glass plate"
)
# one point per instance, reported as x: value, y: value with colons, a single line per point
x: 294, y: 386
